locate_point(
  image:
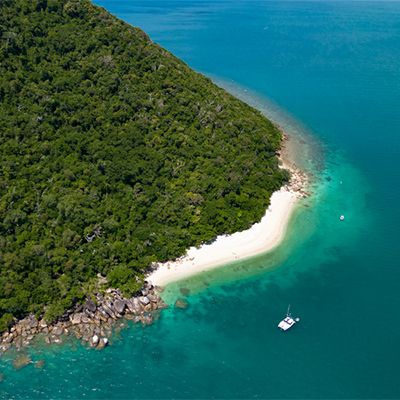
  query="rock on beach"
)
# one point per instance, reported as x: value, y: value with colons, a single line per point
x: 95, y: 340
x: 90, y: 322
x: 119, y: 306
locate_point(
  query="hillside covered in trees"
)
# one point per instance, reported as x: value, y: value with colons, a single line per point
x: 114, y: 155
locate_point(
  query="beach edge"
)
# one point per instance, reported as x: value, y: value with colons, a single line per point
x: 260, y: 238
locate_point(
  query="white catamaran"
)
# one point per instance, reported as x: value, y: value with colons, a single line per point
x: 288, y: 321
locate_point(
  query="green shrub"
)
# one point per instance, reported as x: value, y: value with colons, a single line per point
x: 6, y: 320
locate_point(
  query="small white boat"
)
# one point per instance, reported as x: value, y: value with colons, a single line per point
x: 288, y: 321
x: 342, y: 218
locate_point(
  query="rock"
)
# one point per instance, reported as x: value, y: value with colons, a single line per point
x: 78, y: 335
x: 103, y: 316
x: 146, y: 319
x: 89, y: 322
x: 119, y: 306
x: 89, y: 305
x: 95, y: 340
x: 108, y: 304
x: 152, y: 298
x: 103, y: 342
x: 136, y: 305
x: 108, y: 310
x: 18, y: 343
x: 21, y: 361
x: 57, y: 330
x: 39, y: 364
x: 130, y: 306
x: 89, y: 314
x: 161, y: 305
x: 184, y: 291
x: 148, y: 307
x: 181, y: 303
x: 33, y: 322
x: 89, y: 329
x: 75, y: 318
x: 101, y: 311
x: 9, y: 339
x: 4, y: 347
x: 79, y: 308
x: 144, y: 300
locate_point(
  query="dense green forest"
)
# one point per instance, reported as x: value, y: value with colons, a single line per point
x: 114, y: 154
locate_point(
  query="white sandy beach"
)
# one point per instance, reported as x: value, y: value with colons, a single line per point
x: 261, y: 237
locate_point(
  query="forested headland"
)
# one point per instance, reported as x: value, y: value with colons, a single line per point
x: 114, y: 155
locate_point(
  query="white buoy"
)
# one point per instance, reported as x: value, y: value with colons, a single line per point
x: 342, y: 218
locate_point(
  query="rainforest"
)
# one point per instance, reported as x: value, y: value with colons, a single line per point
x: 114, y: 155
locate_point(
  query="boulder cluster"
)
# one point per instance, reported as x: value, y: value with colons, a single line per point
x: 91, y: 322
x: 298, y: 182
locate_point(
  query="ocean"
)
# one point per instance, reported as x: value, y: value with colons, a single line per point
x: 329, y: 73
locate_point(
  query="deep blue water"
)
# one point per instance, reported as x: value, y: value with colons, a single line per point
x: 329, y: 72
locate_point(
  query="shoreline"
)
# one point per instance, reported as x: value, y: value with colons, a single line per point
x: 261, y: 237
x: 91, y: 322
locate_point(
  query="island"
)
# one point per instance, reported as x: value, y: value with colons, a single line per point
x: 116, y: 157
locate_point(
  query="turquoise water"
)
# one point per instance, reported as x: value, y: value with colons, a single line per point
x: 330, y: 73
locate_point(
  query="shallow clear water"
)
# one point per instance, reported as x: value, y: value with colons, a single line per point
x: 331, y: 74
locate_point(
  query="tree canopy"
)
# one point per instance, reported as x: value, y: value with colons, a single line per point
x: 114, y: 155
